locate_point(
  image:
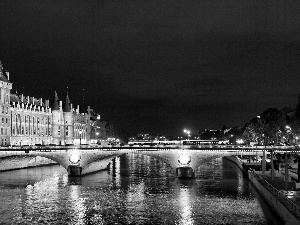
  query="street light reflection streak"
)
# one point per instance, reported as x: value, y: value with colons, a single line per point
x: 186, y: 209
x: 79, y: 209
x: 117, y: 172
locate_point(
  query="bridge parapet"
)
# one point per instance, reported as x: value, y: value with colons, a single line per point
x: 80, y: 159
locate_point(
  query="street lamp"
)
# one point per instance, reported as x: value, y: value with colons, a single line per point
x: 289, y: 131
x: 80, y: 132
x: 97, y: 133
x: 277, y: 136
x: 187, y: 132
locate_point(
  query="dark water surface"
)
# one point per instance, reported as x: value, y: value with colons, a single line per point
x: 137, y: 190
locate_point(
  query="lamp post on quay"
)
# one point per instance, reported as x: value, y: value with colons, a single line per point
x: 289, y: 132
x: 187, y: 132
x: 277, y: 136
x: 97, y: 133
x: 80, y: 132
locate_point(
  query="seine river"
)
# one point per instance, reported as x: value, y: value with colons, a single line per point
x: 137, y: 190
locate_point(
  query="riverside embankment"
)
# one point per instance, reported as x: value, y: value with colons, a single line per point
x: 13, y: 162
x: 286, y: 208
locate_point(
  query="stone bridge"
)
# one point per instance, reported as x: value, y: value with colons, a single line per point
x: 82, y: 161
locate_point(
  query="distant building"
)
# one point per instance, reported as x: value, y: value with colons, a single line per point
x: 101, y: 131
x: 148, y: 137
x: 5, y: 88
x: 28, y: 120
x: 207, y: 134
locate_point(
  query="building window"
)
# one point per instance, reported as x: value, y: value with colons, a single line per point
x: 6, y: 120
x: 58, y: 131
x: 2, y: 120
x: 67, y: 131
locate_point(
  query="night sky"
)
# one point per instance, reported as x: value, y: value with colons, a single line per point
x: 156, y: 66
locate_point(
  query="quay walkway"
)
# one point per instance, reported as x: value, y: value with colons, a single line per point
x: 283, y: 197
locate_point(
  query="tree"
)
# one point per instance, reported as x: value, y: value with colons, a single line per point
x: 264, y: 128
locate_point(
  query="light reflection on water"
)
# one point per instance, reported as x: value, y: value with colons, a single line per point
x: 137, y: 190
x: 186, y: 209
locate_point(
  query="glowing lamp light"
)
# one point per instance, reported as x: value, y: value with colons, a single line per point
x: 184, y: 160
x: 240, y: 141
x: 74, y: 158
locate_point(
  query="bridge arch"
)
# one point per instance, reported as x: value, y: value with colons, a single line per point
x: 104, y: 156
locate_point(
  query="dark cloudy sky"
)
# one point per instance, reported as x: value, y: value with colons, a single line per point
x: 156, y: 65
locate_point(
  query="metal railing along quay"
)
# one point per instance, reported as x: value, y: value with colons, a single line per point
x: 289, y: 204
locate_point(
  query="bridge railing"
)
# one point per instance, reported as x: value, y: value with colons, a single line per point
x: 292, y: 206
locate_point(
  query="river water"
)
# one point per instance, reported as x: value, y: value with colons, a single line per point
x: 137, y: 190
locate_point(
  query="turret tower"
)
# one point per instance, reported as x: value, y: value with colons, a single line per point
x: 5, y: 88
x: 58, y: 124
x: 69, y: 121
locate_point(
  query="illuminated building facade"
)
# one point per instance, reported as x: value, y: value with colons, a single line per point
x: 5, y: 88
x: 30, y: 121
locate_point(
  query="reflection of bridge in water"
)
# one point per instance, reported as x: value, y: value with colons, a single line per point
x: 79, y: 161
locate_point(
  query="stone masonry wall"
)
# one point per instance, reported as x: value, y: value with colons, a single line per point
x: 20, y: 162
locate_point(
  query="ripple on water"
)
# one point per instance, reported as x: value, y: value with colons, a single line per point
x: 129, y: 196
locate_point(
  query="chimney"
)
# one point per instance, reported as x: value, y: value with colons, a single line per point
x: 60, y: 105
x: 32, y: 100
x: 41, y: 102
x: 77, y: 110
x: 47, y: 103
x: 22, y: 98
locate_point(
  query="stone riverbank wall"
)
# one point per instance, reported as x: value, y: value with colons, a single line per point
x: 11, y: 161
x: 21, y: 162
x: 286, y: 208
